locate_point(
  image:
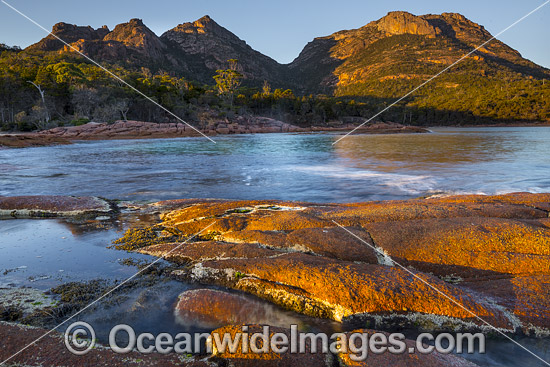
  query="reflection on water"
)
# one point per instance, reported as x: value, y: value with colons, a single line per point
x: 288, y: 166
x: 444, y: 148
x: 45, y: 253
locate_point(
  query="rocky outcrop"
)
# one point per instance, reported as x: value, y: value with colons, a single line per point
x: 399, y: 22
x: 139, y: 129
x: 136, y: 36
x: 52, y: 206
x: 127, y: 40
x: 469, y: 260
x: 270, y: 358
x: 151, y: 130
x: 241, y: 125
x: 211, y: 46
x: 29, y: 140
x: 69, y: 33
x: 400, y: 360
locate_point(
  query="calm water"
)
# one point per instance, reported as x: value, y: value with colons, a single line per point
x: 288, y: 166
x: 45, y: 253
x: 307, y: 167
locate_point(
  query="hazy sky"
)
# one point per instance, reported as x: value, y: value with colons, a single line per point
x: 279, y: 28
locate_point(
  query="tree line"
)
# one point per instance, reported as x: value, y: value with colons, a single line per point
x: 44, y: 90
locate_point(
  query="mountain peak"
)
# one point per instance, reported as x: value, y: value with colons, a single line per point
x: 205, y: 19
x: 401, y: 22
x: 200, y: 26
x: 137, y: 36
x: 136, y: 22
x: 69, y: 33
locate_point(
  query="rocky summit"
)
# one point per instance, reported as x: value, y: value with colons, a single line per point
x: 132, y: 40
x: 342, y: 62
x: 402, y: 48
x: 211, y: 45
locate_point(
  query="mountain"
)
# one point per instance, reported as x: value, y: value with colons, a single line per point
x: 135, y: 36
x: 391, y: 56
x: 365, y: 68
x: 128, y: 41
x: 211, y: 45
x: 70, y: 33
x: 195, y: 49
x: 402, y: 38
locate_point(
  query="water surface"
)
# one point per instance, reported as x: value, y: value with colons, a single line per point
x: 288, y: 166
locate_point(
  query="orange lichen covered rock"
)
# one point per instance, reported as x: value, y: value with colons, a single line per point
x: 329, y: 242
x: 452, y: 207
x: 496, y: 244
x: 207, y: 250
x: 489, y: 254
x: 405, y: 359
x: 267, y: 358
x: 341, y: 290
x: 525, y: 296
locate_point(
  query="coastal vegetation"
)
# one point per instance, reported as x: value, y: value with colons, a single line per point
x: 203, y: 73
x: 77, y: 92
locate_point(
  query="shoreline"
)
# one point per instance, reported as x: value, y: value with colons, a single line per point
x: 128, y: 130
x: 512, y: 124
x: 138, y: 130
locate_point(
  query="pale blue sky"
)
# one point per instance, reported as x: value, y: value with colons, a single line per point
x: 280, y: 28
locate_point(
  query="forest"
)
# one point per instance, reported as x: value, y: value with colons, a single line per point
x: 41, y: 90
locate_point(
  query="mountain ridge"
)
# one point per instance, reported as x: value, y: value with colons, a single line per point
x: 353, y: 72
x: 207, y: 40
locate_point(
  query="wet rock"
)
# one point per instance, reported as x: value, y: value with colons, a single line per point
x: 405, y: 359
x: 52, y: 206
x: 212, y: 309
x: 29, y: 140
x: 320, y: 357
x: 525, y: 296
x: 488, y: 254
x: 51, y: 351
x: 16, y: 303
x: 269, y: 358
x: 339, y: 290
